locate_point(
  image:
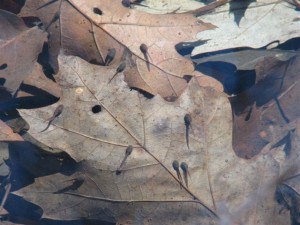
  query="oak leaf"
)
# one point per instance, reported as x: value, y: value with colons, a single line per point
x: 89, y: 30
x: 101, y: 119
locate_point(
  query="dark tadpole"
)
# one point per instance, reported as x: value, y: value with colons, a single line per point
x: 110, y: 56
x: 175, y: 165
x: 185, y: 169
x: 129, y: 3
x: 187, y: 122
x: 56, y: 113
x: 74, y: 186
x: 120, y: 69
x: 144, y: 50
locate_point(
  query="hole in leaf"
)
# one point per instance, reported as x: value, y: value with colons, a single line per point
x: 97, y: 11
x: 3, y: 66
x: 96, y: 109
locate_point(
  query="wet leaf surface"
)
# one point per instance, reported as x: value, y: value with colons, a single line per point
x: 263, y: 113
x: 147, y: 184
x: 18, y: 50
x: 121, y: 128
x: 101, y: 29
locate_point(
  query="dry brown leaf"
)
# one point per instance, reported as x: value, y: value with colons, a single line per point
x: 126, y: 118
x: 89, y: 34
x: 39, y: 80
x: 11, y: 24
x: 147, y: 190
x: 207, y: 81
x: 160, y: 33
x: 18, y: 51
x: 71, y: 32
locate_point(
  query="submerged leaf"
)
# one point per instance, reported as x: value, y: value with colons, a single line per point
x: 19, y: 48
x: 101, y: 120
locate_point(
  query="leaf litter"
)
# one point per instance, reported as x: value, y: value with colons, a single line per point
x: 156, y: 130
x: 102, y: 117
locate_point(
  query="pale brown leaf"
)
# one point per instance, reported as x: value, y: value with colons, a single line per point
x: 265, y: 112
x: 148, y: 184
x: 19, y: 51
x: 7, y: 133
x: 160, y: 33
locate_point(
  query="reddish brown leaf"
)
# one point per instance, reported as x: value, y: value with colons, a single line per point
x: 71, y: 32
x: 91, y: 29
x: 7, y: 134
x: 274, y: 100
x: 39, y: 80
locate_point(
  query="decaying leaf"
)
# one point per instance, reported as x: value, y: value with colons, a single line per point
x: 71, y: 32
x: 37, y: 79
x: 117, y: 27
x: 11, y: 24
x: 262, y: 114
x: 124, y: 118
x: 18, y: 50
x: 101, y: 120
x: 158, y: 32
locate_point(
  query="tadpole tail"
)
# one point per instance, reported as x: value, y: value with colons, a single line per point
x: 187, y: 130
x: 148, y: 65
x: 186, y: 179
x: 189, y: 174
x: 179, y: 178
x: 110, y: 56
x: 112, y: 77
x: 122, y: 164
x: 49, y: 123
x: 147, y: 61
x: 139, y: 4
x: 108, y: 61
